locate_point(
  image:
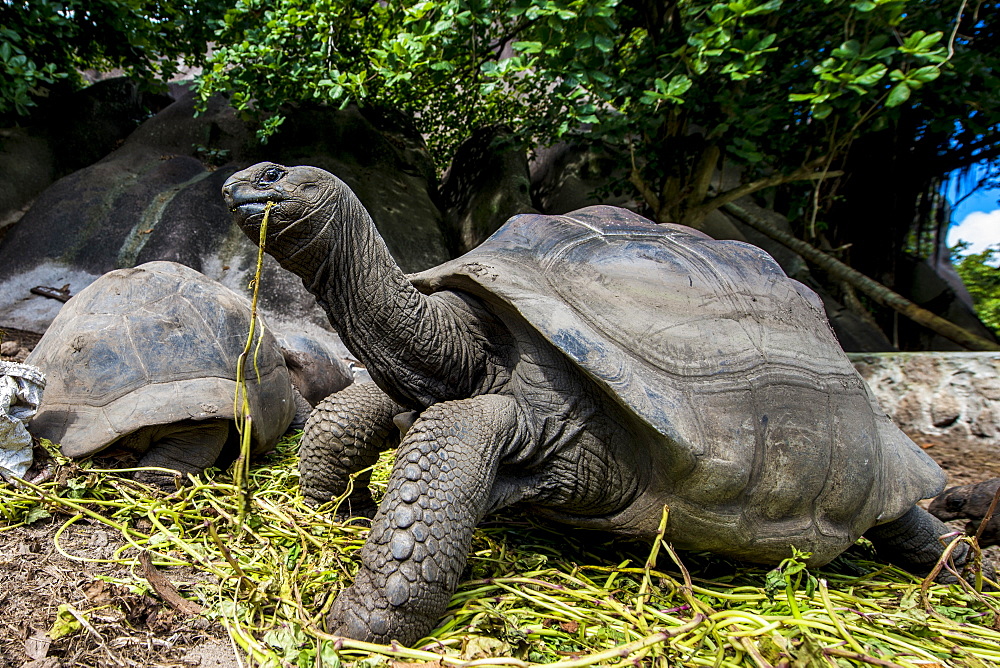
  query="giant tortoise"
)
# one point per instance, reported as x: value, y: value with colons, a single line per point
x: 596, y: 367
x: 145, y: 358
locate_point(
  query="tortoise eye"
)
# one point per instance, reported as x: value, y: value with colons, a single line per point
x: 271, y: 174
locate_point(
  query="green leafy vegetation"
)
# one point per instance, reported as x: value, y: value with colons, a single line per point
x: 981, y: 276
x: 845, y: 116
x: 46, y: 42
x: 533, y: 593
x: 770, y: 85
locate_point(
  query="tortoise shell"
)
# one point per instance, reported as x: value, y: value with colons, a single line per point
x: 150, y: 345
x: 765, y: 433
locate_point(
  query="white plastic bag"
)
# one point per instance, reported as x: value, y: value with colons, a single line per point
x: 21, y: 388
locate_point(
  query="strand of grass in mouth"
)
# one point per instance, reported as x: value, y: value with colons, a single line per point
x: 241, y: 402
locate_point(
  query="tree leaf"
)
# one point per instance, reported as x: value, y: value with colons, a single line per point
x: 849, y: 49
x: 929, y: 41
x: 679, y: 85
x: 603, y: 43
x: 528, y: 47
x: 925, y: 74
x: 871, y: 76
x: 766, y: 8
x: 899, y: 94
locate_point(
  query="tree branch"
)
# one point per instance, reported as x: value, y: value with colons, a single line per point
x: 806, y: 172
x: 635, y: 177
x: 873, y: 289
x: 703, y: 171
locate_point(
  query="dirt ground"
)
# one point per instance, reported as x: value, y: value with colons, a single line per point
x: 123, y: 628
x: 15, y: 344
x: 133, y: 629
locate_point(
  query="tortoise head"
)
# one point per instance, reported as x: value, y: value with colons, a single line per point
x: 298, y: 193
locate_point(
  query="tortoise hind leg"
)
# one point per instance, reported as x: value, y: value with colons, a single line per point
x: 912, y: 543
x: 344, y: 434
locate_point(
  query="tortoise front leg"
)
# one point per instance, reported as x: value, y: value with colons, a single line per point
x: 439, y: 490
x: 344, y: 434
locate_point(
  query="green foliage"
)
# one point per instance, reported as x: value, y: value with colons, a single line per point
x: 296, y: 648
x: 982, y: 278
x: 790, y: 576
x: 43, y: 42
x: 679, y: 84
x: 439, y: 59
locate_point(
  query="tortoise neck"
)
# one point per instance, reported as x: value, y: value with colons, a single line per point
x: 406, y: 339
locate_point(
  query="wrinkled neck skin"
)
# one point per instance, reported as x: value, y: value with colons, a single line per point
x: 419, y: 349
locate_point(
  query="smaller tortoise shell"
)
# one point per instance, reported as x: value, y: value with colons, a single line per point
x: 150, y: 345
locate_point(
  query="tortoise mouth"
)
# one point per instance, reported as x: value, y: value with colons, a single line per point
x: 248, y: 209
x: 247, y: 201
x: 248, y: 212
x: 252, y: 202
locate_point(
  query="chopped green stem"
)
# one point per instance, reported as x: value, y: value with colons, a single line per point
x: 244, y: 420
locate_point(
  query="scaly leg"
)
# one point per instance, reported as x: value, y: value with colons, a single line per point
x: 911, y: 542
x: 440, y: 488
x: 344, y: 434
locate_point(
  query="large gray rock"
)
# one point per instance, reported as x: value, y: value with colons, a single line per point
x: 854, y: 333
x: 116, y: 213
x: 572, y: 175
x: 486, y: 184
x: 67, y: 133
x: 27, y: 165
x: 941, y: 294
x: 157, y: 197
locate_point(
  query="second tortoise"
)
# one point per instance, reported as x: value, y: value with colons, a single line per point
x: 145, y: 358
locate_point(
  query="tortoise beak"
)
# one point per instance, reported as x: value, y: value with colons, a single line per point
x: 227, y: 196
x: 242, y: 197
